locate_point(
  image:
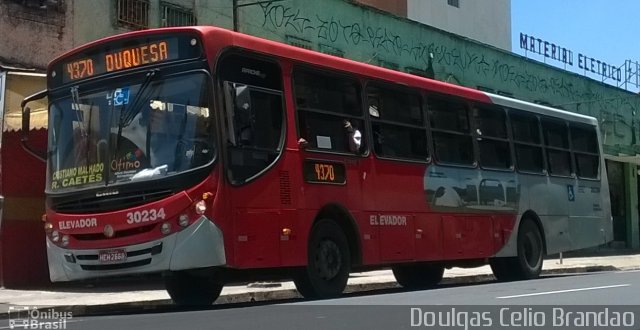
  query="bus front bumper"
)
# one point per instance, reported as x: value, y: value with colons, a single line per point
x: 197, y: 246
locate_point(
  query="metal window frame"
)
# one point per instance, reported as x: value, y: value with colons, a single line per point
x: 140, y: 18
x: 186, y: 16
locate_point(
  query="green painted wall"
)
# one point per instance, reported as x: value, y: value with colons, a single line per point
x: 357, y: 32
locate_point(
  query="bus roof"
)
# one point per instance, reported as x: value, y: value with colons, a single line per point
x: 269, y: 47
x: 347, y: 65
x: 542, y: 110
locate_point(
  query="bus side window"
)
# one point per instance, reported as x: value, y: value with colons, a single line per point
x: 451, y: 131
x: 243, y: 115
x: 556, y: 141
x: 329, y: 111
x: 398, y: 123
x: 253, y: 115
x: 584, y: 143
x: 491, y: 134
x: 255, y: 125
x: 527, y: 143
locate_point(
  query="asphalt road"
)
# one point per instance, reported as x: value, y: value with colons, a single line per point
x: 541, y: 304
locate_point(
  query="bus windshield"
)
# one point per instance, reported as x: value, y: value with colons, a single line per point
x: 131, y: 131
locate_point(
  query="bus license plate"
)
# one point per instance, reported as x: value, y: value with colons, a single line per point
x: 112, y: 256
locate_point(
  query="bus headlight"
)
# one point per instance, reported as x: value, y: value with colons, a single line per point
x: 183, y: 221
x: 108, y: 231
x: 55, y: 236
x: 200, y: 207
x: 165, y: 228
x: 48, y: 227
x: 65, y: 240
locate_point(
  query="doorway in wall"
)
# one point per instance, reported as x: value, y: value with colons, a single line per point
x: 615, y: 173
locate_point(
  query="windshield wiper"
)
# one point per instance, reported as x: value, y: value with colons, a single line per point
x: 128, y: 114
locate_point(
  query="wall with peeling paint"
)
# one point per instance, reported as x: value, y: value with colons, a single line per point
x: 31, y: 35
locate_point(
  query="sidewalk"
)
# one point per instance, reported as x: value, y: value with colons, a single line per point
x: 104, y: 298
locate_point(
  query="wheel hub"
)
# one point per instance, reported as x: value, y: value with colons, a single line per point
x: 328, y: 260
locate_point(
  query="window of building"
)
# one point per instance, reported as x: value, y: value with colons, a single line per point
x: 527, y: 143
x: 556, y: 139
x: 173, y: 15
x: 133, y: 13
x: 454, y: 3
x: 398, y: 122
x: 491, y: 134
x: 584, y: 142
x: 329, y: 111
x: 451, y: 131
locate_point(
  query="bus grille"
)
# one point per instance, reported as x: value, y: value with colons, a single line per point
x: 111, y: 203
x: 88, y: 261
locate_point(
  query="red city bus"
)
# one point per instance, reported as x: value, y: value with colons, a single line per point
x: 206, y: 154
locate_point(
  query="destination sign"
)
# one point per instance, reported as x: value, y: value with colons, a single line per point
x: 128, y: 58
x: 125, y: 54
x: 320, y: 171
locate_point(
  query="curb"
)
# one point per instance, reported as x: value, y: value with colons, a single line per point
x: 284, y: 294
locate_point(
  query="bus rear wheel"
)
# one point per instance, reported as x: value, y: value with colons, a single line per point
x: 328, y: 263
x: 528, y: 263
x: 187, y: 289
x: 418, y: 276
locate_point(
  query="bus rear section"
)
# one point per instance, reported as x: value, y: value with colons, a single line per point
x: 204, y: 154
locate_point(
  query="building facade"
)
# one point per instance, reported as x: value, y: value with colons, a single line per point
x: 42, y: 30
x: 488, y: 22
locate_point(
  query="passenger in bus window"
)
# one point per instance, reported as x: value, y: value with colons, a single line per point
x: 354, y: 137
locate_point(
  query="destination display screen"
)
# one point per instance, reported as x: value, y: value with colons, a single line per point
x: 125, y: 54
x: 320, y: 171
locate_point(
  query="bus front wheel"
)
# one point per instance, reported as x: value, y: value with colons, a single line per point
x: 188, y: 289
x: 328, y: 264
x: 418, y: 276
x: 528, y: 263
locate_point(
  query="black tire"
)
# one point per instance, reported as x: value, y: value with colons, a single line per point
x: 186, y: 289
x: 328, y: 262
x: 418, y: 276
x: 528, y: 263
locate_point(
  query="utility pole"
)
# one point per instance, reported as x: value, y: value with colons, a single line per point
x: 235, y: 15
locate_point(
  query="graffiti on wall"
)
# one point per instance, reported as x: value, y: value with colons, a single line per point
x: 616, y: 114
